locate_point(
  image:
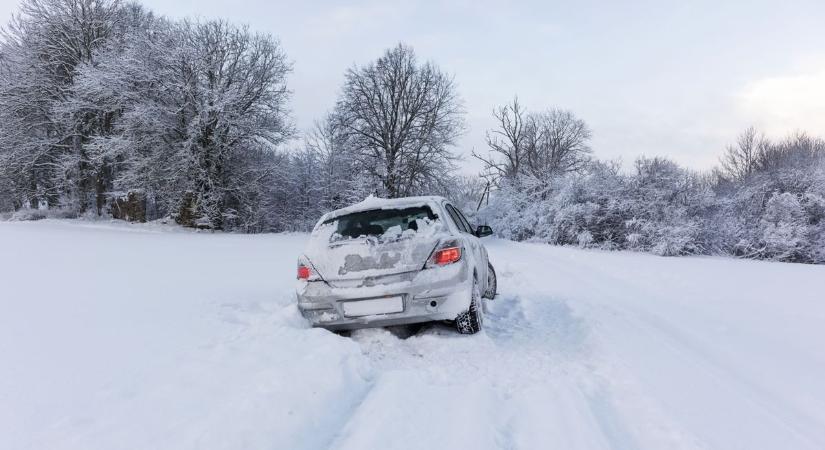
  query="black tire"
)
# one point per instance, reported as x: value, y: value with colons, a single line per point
x: 492, y: 283
x: 471, y: 321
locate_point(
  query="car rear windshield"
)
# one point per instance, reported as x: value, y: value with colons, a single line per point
x: 379, y: 222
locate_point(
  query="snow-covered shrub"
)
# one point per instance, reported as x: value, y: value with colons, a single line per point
x: 584, y: 239
x: 600, y: 207
x: 676, y: 240
x: 816, y: 244
x: 639, y: 234
x: 7, y: 194
x: 784, y: 227
x: 29, y: 214
x: 814, y: 205
x: 509, y: 213
x: 571, y: 221
x: 767, y: 201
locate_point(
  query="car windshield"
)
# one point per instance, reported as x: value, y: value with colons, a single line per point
x: 385, y: 223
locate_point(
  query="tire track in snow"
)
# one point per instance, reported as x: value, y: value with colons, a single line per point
x: 608, y: 308
x: 534, y: 371
x: 702, y: 359
x: 595, y: 372
x: 546, y: 321
x: 532, y: 348
x: 530, y: 380
x: 337, y: 401
x: 610, y: 422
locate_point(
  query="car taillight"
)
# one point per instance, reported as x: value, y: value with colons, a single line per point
x: 447, y: 255
x: 306, y: 271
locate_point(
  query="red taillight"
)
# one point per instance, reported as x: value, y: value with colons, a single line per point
x: 447, y: 255
x: 303, y: 272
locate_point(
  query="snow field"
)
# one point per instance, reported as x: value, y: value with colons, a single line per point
x: 132, y: 337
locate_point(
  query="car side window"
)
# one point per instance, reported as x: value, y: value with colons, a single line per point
x: 464, y: 219
x: 456, y: 217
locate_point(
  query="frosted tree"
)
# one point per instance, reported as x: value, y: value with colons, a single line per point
x: 202, y: 111
x: 745, y: 157
x: 92, y: 108
x: 330, y: 145
x: 42, y: 48
x: 401, y: 119
x: 241, y: 109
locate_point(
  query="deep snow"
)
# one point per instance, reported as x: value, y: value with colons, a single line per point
x: 130, y: 337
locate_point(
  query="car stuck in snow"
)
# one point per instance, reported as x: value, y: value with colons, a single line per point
x: 399, y: 261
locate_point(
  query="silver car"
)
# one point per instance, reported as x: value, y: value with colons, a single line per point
x: 398, y: 261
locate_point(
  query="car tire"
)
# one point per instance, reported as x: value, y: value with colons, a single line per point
x: 492, y: 283
x: 471, y: 321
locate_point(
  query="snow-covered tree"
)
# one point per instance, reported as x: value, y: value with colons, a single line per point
x: 401, y: 119
x: 337, y: 187
x: 201, y: 109
x: 42, y: 48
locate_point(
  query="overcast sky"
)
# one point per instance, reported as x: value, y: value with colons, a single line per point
x: 679, y: 78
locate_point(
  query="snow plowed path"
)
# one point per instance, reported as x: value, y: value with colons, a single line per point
x: 119, y: 337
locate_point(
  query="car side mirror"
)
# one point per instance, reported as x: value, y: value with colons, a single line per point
x: 483, y: 230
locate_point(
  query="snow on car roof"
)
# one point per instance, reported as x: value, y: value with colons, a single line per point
x: 372, y: 202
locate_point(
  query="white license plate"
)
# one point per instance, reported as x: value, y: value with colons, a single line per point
x: 387, y: 305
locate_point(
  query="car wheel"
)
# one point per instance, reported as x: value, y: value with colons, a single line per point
x: 471, y: 321
x: 492, y: 283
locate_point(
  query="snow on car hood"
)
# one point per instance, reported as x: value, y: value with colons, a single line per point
x: 339, y: 258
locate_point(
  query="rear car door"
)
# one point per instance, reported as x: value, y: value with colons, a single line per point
x: 483, y: 260
x: 479, y: 255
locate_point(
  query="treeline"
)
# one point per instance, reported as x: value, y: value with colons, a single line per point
x: 103, y: 105
x: 766, y: 200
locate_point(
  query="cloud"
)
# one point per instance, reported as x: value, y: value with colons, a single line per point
x: 336, y: 21
x: 782, y: 104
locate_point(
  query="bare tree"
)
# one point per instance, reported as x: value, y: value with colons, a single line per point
x: 401, y: 118
x: 798, y: 150
x: 540, y: 145
x: 557, y: 143
x: 744, y: 158
x: 507, y: 146
x: 335, y: 182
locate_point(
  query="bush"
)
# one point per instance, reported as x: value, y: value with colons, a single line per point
x: 774, y: 213
x: 30, y: 214
x: 784, y: 228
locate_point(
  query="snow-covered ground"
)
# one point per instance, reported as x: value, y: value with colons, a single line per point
x: 131, y: 337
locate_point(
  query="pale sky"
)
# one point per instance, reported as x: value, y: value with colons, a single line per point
x: 678, y: 79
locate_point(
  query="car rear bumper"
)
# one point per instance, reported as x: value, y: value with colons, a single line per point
x: 427, y: 295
